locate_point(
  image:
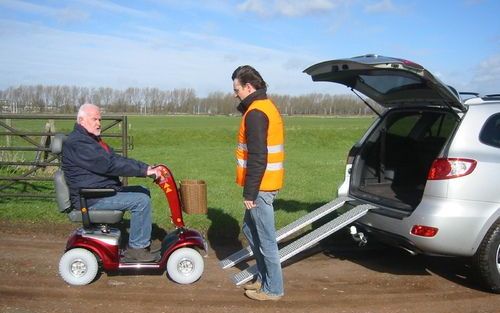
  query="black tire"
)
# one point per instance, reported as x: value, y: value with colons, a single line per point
x: 487, y: 259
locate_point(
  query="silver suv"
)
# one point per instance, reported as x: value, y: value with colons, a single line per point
x: 429, y: 162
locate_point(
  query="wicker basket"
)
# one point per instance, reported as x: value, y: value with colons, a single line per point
x: 194, y: 196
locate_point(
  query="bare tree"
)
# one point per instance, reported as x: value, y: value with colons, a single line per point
x: 67, y: 99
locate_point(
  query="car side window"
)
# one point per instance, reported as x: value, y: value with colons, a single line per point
x: 490, y: 134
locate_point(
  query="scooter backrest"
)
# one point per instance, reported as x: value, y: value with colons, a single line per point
x: 62, y: 192
x: 57, y: 142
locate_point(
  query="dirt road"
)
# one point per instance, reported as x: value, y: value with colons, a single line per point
x: 342, y: 278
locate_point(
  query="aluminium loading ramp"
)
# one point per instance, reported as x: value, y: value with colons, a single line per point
x: 286, y: 231
x: 309, y: 240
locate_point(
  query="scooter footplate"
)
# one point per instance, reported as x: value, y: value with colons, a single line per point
x: 127, y: 260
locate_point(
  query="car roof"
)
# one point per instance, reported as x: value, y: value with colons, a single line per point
x: 487, y: 99
x: 391, y: 82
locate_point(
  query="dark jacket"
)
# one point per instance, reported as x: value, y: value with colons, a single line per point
x: 87, y: 164
x: 256, y: 126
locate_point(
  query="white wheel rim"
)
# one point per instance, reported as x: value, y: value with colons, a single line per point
x: 78, y: 268
x: 185, y: 266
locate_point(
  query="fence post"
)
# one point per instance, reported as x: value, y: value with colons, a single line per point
x: 45, y: 141
x: 124, y: 129
x: 8, y: 121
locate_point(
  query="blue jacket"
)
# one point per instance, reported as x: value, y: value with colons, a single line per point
x: 87, y: 164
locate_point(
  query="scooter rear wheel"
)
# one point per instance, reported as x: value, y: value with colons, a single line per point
x: 78, y: 267
x: 185, y: 266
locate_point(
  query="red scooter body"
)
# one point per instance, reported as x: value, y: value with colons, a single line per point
x: 104, y: 242
x: 167, y: 184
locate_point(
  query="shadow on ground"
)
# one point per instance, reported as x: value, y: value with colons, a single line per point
x: 381, y: 258
x: 386, y: 259
x: 223, y: 234
x: 224, y: 237
x: 377, y: 256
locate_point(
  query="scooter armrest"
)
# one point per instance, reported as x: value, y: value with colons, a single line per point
x: 97, y: 192
x: 91, y: 193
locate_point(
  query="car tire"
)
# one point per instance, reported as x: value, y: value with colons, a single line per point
x: 487, y: 259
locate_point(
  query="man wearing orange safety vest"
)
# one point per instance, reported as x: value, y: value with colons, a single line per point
x: 260, y: 155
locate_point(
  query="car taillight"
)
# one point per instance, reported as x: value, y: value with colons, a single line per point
x: 444, y: 168
x: 424, y: 231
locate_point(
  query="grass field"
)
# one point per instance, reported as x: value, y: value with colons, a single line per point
x: 202, y: 147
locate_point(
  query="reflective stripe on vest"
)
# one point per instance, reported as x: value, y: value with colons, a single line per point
x: 273, y: 175
x: 270, y: 166
x: 270, y: 149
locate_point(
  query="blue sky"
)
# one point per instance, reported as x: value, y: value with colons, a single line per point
x: 170, y: 44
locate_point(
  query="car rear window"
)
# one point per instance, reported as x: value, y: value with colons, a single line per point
x: 490, y: 134
x: 384, y: 84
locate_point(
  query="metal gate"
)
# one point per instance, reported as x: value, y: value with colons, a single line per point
x: 26, y: 162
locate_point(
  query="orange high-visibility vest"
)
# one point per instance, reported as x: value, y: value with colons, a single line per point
x: 273, y: 176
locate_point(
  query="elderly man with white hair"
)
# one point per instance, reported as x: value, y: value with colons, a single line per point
x: 88, y: 162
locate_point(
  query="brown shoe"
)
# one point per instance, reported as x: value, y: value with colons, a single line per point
x: 139, y: 255
x: 259, y: 295
x: 154, y: 246
x: 253, y: 286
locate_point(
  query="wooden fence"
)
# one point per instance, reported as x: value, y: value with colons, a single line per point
x: 26, y: 161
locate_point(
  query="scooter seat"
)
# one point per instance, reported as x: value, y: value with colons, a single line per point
x: 63, y: 198
x: 98, y: 216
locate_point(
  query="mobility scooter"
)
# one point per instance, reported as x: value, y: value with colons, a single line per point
x: 96, y: 245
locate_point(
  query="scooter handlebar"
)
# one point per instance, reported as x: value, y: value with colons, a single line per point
x: 153, y: 175
x: 167, y: 183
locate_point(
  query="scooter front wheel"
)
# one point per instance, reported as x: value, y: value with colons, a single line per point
x: 185, y: 266
x: 78, y: 267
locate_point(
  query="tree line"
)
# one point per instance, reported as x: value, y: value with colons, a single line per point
x: 147, y: 101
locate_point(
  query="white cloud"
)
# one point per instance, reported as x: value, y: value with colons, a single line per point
x: 255, y: 6
x: 60, y: 14
x: 483, y: 77
x: 486, y: 77
x: 28, y: 7
x: 72, y: 15
x: 220, y: 6
x: 150, y: 58
x: 383, y: 6
x: 298, y: 7
x: 290, y: 8
x: 115, y: 8
x: 74, y: 11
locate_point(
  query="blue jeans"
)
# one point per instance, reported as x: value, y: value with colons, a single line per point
x: 136, y: 199
x: 258, y: 227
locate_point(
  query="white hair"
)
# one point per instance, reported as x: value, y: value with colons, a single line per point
x: 83, y: 110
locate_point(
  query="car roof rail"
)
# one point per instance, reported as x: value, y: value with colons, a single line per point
x: 466, y: 95
x: 495, y: 96
x: 469, y: 93
x: 482, y: 99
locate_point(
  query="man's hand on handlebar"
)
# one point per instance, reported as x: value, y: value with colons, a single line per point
x: 153, y: 172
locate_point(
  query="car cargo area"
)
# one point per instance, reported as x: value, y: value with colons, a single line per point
x: 391, y: 167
